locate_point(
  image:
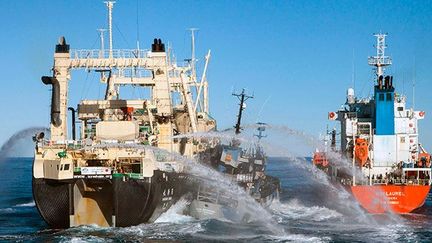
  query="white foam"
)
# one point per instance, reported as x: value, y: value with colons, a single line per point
x: 29, y: 204
x: 299, y: 238
x: 7, y: 210
x: 83, y: 239
x: 175, y: 213
x: 161, y: 230
x: 295, y: 210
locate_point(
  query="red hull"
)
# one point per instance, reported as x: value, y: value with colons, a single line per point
x: 398, y: 199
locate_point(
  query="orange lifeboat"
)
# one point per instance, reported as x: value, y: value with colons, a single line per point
x: 361, y: 151
x: 424, y: 160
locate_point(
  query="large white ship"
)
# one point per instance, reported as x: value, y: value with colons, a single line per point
x: 118, y: 169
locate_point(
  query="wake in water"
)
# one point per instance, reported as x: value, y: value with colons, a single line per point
x: 17, y: 206
x: 295, y: 210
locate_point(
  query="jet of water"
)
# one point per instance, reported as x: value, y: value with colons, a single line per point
x: 344, y: 199
x: 215, y: 179
x: 13, y: 141
x: 337, y: 160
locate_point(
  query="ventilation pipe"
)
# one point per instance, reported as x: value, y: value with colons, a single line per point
x: 55, y: 99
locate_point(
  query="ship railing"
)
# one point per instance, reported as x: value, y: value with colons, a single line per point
x: 351, y: 114
x: 78, y: 144
x: 106, y: 54
x: 422, y: 182
x: 134, y: 73
x: 243, y: 177
x: 214, y: 196
x: 207, y: 197
x: 375, y: 60
x: 401, y: 182
x: 70, y: 144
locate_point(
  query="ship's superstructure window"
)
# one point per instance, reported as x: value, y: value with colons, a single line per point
x: 400, y: 108
x: 381, y: 97
x: 389, y: 97
x: 66, y: 167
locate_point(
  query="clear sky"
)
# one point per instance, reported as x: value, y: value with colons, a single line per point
x: 297, y: 57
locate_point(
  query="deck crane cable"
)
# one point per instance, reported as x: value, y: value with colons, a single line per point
x: 121, y: 34
x: 84, y: 87
x: 262, y: 108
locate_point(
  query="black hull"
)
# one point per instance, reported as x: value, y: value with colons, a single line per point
x: 130, y: 201
x: 52, y: 201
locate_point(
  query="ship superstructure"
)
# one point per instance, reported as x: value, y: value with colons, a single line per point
x: 390, y: 170
x: 118, y: 170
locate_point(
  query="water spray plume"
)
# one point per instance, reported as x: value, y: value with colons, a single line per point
x: 344, y: 199
x: 216, y: 179
x: 27, y: 133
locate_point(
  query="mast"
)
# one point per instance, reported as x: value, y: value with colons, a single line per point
x: 203, y: 84
x: 380, y: 61
x: 193, y: 60
x: 110, y: 5
x: 111, y: 90
x: 242, y: 97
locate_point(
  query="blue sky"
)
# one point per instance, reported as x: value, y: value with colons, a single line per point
x: 296, y: 55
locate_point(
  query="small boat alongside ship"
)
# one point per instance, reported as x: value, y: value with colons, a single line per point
x: 380, y: 159
x: 244, y: 165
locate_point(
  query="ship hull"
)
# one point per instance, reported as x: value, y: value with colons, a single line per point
x: 221, y: 205
x: 118, y: 202
x: 400, y: 199
x: 238, y: 211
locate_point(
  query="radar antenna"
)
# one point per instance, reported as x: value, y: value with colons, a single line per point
x: 380, y: 61
x: 261, y: 129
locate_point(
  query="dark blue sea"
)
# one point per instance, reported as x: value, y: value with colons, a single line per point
x: 309, y: 210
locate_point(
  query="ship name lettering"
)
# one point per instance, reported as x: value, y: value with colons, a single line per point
x: 394, y: 193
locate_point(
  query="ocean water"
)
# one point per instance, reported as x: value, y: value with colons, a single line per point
x: 309, y: 210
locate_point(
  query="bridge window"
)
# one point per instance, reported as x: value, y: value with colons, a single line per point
x: 389, y: 97
x: 381, y: 97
